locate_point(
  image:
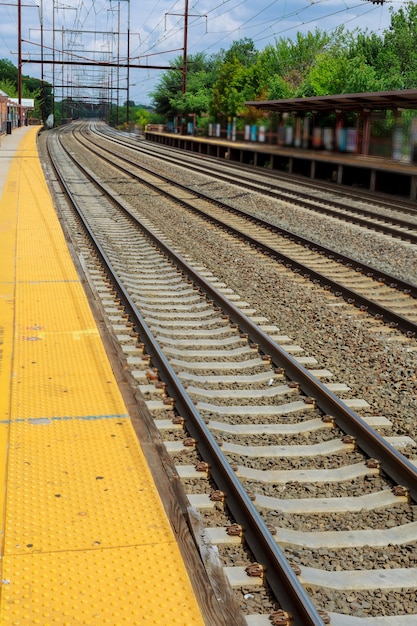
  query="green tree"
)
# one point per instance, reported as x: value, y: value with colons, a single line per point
x: 328, y: 75
x: 168, y: 87
x: 316, y: 63
x: 366, y: 45
x: 168, y: 98
x: 8, y: 72
x: 243, y: 51
x: 31, y: 88
x: 234, y: 85
x: 278, y: 89
x: 9, y: 87
x: 142, y: 117
x: 200, y: 81
x: 340, y: 74
x: 239, y: 78
x: 397, y: 61
x: 286, y: 65
x: 361, y: 77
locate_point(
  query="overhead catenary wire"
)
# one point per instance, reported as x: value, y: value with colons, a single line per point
x: 152, y: 34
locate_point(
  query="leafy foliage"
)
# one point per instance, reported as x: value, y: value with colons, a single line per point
x: 8, y: 72
x: 313, y: 64
x: 9, y: 87
x: 31, y: 88
x: 399, y: 51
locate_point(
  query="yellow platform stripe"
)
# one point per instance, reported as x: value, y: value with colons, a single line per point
x: 86, y: 538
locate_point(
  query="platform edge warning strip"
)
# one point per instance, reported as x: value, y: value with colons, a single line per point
x: 86, y: 538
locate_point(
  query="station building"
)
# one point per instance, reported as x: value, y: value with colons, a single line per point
x: 13, y: 114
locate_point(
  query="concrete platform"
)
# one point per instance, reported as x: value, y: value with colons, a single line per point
x: 84, y: 535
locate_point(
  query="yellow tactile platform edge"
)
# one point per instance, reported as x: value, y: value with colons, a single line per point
x: 85, y: 539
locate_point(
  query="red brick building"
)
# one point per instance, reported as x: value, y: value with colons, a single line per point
x: 9, y: 112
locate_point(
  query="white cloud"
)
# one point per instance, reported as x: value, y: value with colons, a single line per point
x: 89, y: 28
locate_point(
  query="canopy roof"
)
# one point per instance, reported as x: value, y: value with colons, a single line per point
x: 27, y: 103
x: 380, y: 100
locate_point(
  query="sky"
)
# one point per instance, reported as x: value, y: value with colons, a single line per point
x: 97, y: 31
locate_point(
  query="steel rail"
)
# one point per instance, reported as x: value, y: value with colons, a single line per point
x: 382, y: 198
x: 393, y: 462
x: 405, y: 285
x: 278, y: 572
x: 403, y: 324
x: 304, y: 199
x: 341, y: 258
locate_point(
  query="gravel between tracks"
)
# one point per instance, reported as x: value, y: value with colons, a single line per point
x: 379, y: 364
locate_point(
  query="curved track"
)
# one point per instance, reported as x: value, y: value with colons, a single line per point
x: 381, y: 294
x: 224, y: 388
x: 385, y: 216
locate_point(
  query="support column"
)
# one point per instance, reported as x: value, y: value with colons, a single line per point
x: 339, y: 174
x: 313, y: 169
x: 366, y: 131
x: 280, y: 124
x: 372, y: 181
x: 340, y: 144
x: 413, y: 188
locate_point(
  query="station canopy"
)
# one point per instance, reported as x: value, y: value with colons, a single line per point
x: 378, y: 101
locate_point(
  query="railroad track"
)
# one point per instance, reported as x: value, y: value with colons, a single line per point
x: 256, y: 438
x: 367, y: 211
x: 380, y: 294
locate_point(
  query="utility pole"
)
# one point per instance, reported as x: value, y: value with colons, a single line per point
x: 184, y: 61
x: 53, y: 61
x: 42, y: 70
x: 118, y: 63
x: 19, y: 54
x: 19, y: 60
x: 128, y: 61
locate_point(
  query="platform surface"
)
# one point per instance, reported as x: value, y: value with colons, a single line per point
x: 84, y: 536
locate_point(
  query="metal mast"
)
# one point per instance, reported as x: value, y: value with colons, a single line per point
x: 184, y: 61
